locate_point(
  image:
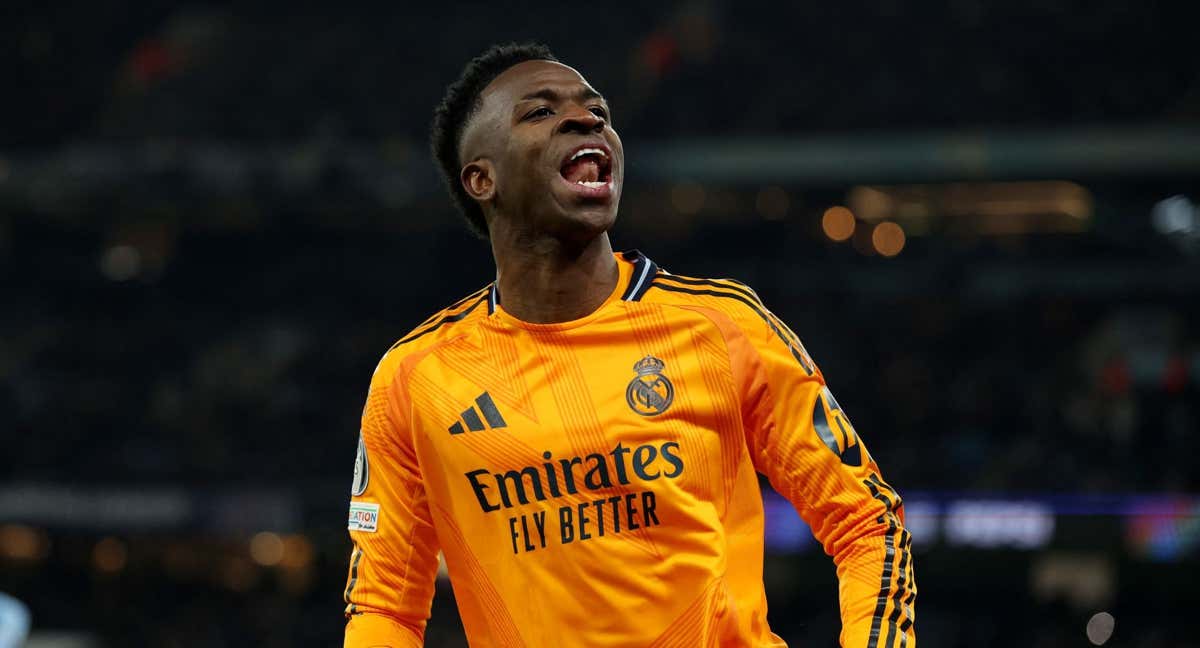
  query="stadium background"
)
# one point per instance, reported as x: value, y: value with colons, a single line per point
x: 980, y: 216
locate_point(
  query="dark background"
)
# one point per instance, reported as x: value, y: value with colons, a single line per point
x: 214, y: 219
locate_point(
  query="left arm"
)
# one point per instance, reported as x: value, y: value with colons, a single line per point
x: 801, y: 440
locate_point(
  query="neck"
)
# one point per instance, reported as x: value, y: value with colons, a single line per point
x: 545, y: 280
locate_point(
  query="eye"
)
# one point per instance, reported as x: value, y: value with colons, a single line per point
x: 599, y: 111
x: 538, y: 113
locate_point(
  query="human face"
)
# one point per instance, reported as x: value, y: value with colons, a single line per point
x: 545, y: 137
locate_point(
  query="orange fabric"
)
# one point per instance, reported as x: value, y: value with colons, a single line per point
x: 381, y: 631
x: 593, y: 483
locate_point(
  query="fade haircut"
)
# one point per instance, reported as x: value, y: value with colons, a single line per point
x: 459, y: 105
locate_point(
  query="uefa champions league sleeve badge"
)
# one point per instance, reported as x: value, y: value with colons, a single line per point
x: 361, y: 470
x: 650, y: 393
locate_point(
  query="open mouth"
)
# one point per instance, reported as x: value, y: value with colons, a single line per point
x: 589, y: 166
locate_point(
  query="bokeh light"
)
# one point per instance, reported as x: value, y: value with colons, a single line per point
x: 297, y: 552
x: 21, y: 543
x: 121, y: 262
x: 888, y: 239
x: 838, y: 223
x: 110, y: 555
x: 1100, y: 628
x: 266, y: 548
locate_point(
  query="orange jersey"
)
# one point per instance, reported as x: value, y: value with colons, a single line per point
x: 594, y: 482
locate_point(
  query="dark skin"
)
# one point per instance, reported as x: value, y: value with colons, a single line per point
x: 549, y: 235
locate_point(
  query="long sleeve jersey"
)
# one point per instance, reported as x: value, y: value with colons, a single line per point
x: 595, y: 482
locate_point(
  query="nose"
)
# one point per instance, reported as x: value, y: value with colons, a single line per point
x: 582, y: 120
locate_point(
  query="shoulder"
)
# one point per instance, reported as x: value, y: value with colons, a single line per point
x: 730, y: 297
x: 734, y: 302
x: 445, y: 324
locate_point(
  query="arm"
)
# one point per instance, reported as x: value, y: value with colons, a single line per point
x: 801, y: 440
x: 389, y: 589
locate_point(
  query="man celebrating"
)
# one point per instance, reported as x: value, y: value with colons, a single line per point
x: 581, y: 438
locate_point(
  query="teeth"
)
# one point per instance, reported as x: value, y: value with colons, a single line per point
x: 587, y: 151
x: 593, y: 185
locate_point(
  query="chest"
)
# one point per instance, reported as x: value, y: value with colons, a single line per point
x: 603, y: 406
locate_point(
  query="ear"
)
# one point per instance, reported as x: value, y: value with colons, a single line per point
x: 478, y: 178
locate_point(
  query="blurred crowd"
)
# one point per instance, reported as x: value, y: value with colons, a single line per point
x: 246, y: 354
x: 159, y: 70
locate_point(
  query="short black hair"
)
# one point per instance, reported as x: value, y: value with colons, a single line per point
x: 459, y: 105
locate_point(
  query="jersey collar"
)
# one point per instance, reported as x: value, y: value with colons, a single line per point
x: 631, y: 285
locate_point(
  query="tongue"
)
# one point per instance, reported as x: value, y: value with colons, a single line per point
x: 584, y: 170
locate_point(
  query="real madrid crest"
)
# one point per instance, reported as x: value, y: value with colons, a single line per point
x: 650, y: 393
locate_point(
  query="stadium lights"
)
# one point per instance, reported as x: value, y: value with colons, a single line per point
x: 838, y: 223
x: 266, y: 548
x: 21, y: 543
x: 121, y: 262
x: 1100, y: 628
x: 110, y: 555
x: 988, y: 208
x: 888, y: 239
x: 1178, y: 219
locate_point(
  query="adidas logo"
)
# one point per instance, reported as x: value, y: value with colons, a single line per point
x: 471, y: 417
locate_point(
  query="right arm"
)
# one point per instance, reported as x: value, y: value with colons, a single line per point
x: 389, y: 589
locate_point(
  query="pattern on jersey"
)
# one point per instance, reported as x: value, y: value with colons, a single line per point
x: 474, y: 295
x: 694, y: 625
x: 479, y: 297
x: 495, y: 366
x: 653, y: 333
x: 718, y: 382
x: 352, y: 579
x: 728, y: 289
x: 902, y: 583
x: 572, y: 397
x: 484, y: 597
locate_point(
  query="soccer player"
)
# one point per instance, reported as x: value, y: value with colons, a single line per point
x: 581, y: 438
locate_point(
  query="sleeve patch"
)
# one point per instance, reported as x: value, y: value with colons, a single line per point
x: 849, y: 450
x: 362, y: 473
x: 364, y: 516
